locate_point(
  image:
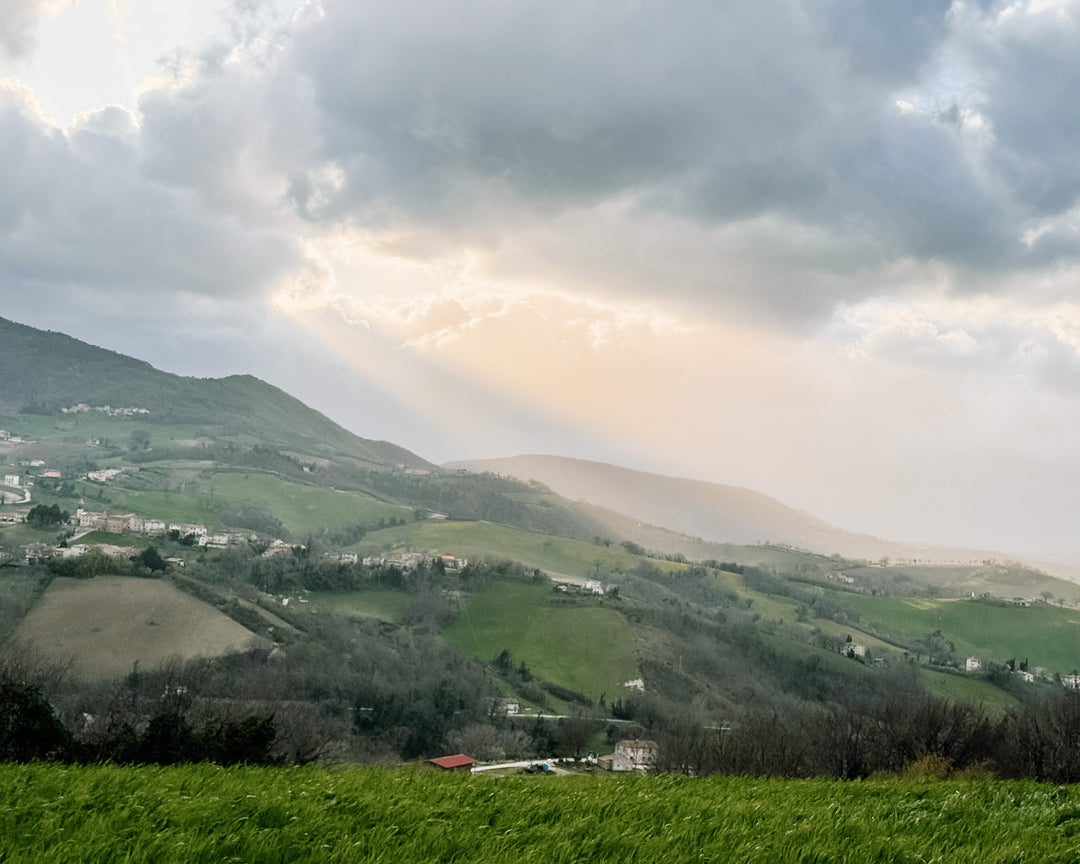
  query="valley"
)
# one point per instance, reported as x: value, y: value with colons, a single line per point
x: 290, y: 567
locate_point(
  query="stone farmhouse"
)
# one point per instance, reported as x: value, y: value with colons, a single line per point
x: 637, y: 754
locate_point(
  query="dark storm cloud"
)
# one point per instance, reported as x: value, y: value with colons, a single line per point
x: 1028, y: 71
x: 555, y: 105
x: 476, y: 120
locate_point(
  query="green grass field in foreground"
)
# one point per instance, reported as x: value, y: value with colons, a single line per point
x: 209, y: 814
x: 589, y: 649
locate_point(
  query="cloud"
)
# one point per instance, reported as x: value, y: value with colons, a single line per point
x: 772, y: 163
x: 494, y: 126
x: 18, y: 24
x: 76, y: 210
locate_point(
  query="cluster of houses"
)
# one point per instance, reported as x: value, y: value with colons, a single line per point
x: 589, y: 586
x: 1040, y: 673
x: 412, y: 560
x: 83, y: 408
x: 115, y: 523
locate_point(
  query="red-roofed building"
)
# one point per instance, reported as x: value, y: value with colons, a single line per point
x: 458, y: 762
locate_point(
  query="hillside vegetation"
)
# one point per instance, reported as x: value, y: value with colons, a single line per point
x: 555, y: 555
x: 706, y: 512
x: 373, y: 646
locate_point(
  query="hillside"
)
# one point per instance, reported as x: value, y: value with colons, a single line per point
x: 381, y: 642
x: 46, y: 372
x: 711, y: 512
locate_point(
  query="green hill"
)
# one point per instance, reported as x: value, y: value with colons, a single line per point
x: 558, y: 556
x: 46, y: 372
x: 1043, y: 634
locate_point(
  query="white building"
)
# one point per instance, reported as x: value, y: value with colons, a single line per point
x: 634, y: 755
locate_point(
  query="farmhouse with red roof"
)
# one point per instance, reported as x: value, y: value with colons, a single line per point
x: 457, y: 762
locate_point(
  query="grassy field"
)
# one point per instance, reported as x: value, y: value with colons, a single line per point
x: 194, y: 495
x: 301, y: 508
x: 106, y: 624
x: 1002, y: 581
x: 961, y: 688
x: 51, y: 814
x: 554, y: 555
x: 171, y: 507
x: 382, y: 605
x: 588, y: 649
x: 1044, y: 634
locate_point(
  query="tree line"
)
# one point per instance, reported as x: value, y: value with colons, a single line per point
x: 904, y: 733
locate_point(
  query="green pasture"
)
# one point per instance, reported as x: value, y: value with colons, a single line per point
x: 963, y: 688
x: 304, y: 509
x: 1044, y: 634
x: 122, y: 538
x: 479, y: 540
x: 21, y: 534
x: 825, y: 625
x: 384, y: 605
x: 171, y: 507
x: 1003, y: 581
x: 774, y: 607
x: 79, y: 428
x: 589, y: 649
x: 51, y: 814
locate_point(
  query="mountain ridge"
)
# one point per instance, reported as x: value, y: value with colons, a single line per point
x: 721, y: 514
x: 46, y: 372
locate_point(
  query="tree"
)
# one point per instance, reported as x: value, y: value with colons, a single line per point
x: 939, y: 650
x: 140, y: 440
x: 151, y: 559
x: 29, y: 728
x: 45, y: 517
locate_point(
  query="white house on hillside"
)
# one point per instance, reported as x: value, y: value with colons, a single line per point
x: 636, y: 754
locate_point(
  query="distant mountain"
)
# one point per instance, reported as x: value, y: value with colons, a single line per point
x: 45, y: 372
x: 710, y: 511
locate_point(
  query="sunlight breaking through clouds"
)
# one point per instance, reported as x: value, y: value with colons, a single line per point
x: 826, y: 250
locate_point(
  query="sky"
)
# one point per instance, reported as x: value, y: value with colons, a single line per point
x: 824, y: 249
